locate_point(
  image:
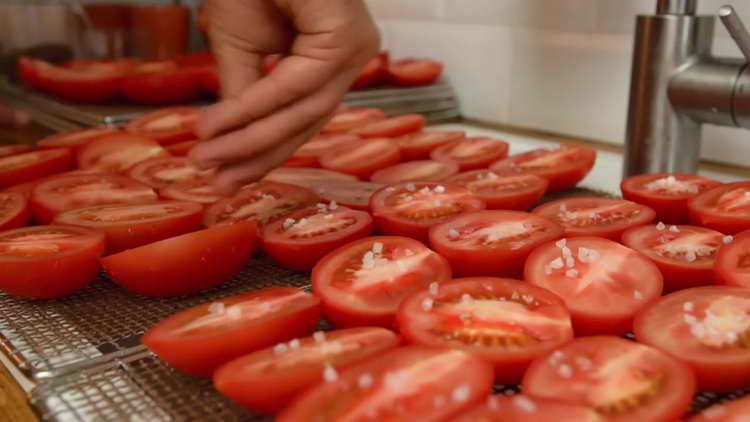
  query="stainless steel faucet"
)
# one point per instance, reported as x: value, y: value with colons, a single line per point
x: 677, y: 85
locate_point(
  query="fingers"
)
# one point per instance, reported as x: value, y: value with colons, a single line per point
x: 13, y: 118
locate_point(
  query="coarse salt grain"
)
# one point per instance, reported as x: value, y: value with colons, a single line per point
x: 333, y: 205
x: 453, y: 234
x: 377, y: 247
x: 410, y: 187
x: 466, y: 298
x: 556, y: 263
x: 524, y: 403
x: 570, y: 262
x: 637, y: 295
x: 294, y: 344
x: 434, y: 288
x: 234, y: 312
x: 280, y: 348
x: 328, y: 216
x: 427, y: 304
x: 289, y: 222
x: 365, y: 381
x: 216, y: 308
x: 565, y: 371
x: 727, y: 239
x: 572, y: 273
x: 319, y: 336
x: 688, y: 306
x: 660, y: 226
x: 674, y: 229
x: 461, y: 393
x: 561, y: 243
x: 439, y: 189
x: 330, y: 374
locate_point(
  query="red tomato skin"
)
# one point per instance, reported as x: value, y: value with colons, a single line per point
x: 407, y: 123
x: 373, y: 72
x: 185, y: 132
x: 80, y: 85
x: 444, y: 152
x: 184, y: 264
x: 181, y: 149
x: 14, y: 149
x: 560, y: 179
x: 670, y: 210
x: 725, y: 267
x: 201, y: 357
x: 58, y: 140
x: 270, y: 393
x: 302, y: 256
x: 700, y: 216
x: 123, y: 237
x: 363, y: 171
x: 20, y: 217
x: 28, y: 73
x: 411, y: 152
x: 521, y: 201
x: 53, y: 276
x: 58, y: 160
x: 162, y: 88
x: 428, y: 73
x: 349, y: 119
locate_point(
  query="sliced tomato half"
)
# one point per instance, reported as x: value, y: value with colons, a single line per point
x: 506, y: 322
x: 666, y: 193
x: 706, y: 327
x: 373, y: 73
x: 362, y: 159
x: 267, y: 380
x: 725, y: 208
x: 200, y: 191
x: 47, y: 262
x: 28, y: 71
x: 130, y: 226
x: 415, y: 72
x: 732, y: 265
x: 8, y: 150
x: 563, y: 167
x: 352, y: 118
x: 595, y: 216
x: 162, y: 83
x: 400, y: 385
x: 392, y: 127
x: 732, y: 411
x: 471, y: 153
x: 308, y: 155
x: 603, y: 283
x: 63, y: 193
x: 410, y: 209
x: 491, y: 243
x: 14, y: 210
x: 619, y: 379
x: 419, y: 145
x: 184, y: 264
x: 262, y: 202
x: 30, y: 166
x: 75, y: 139
x: 118, y: 152
x: 306, y: 177
x: 162, y: 172
x: 519, y: 192
x: 521, y: 408
x: 166, y: 126
x: 354, y: 195
x: 363, y: 283
x: 415, y: 171
x: 685, y: 255
x: 200, y: 339
x: 82, y: 85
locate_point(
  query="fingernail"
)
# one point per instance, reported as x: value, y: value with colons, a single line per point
x: 21, y: 118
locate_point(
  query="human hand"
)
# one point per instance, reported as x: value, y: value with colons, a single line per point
x: 261, y: 121
x: 12, y: 118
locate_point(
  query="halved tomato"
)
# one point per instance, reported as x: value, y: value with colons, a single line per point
x: 28, y: 71
x: 725, y: 208
x: 519, y: 192
x: 308, y: 155
x: 82, y: 85
x: 506, y: 322
x: 563, y: 167
x: 666, y: 193
x: 595, y: 216
x: 619, y: 379
x: 471, y: 153
x: 200, y: 339
x: 406, y: 384
x: 166, y: 126
x: 415, y: 72
x: 29, y: 166
x: 415, y: 171
x: 55, y: 195
x: 706, y: 327
x: 14, y: 210
x: 162, y: 83
x: 732, y: 265
x: 354, y: 195
x: 267, y: 380
x: 491, y: 243
x: 362, y: 283
x: 419, y: 145
x: 270, y: 62
x: 301, y: 239
x: 684, y: 254
x: 603, y: 283
x: 162, y: 172
x: 262, y: 202
x: 363, y: 158
x: 199, y: 191
x: 374, y: 72
x: 410, y: 209
x: 8, y: 150
x: 47, y: 262
x: 181, y: 149
x: 130, y: 226
x: 732, y: 411
x: 521, y: 408
x: 118, y: 152
x: 392, y: 127
x: 352, y: 118
x: 307, y: 177
x: 75, y: 139
x: 185, y: 264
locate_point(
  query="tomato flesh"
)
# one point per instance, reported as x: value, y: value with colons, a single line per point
x: 350, y: 119
x: 82, y: 85
x: 308, y: 155
x: 363, y: 283
x: 30, y: 166
x: 47, y: 262
x: 166, y: 126
x: 706, y: 327
x: 419, y: 145
x: 594, y: 216
x: 392, y: 127
x: 521, y: 408
x: 199, y: 191
x: 491, y: 243
x: 159, y: 173
x: 725, y: 208
x: 563, y: 167
x: 162, y: 83
x: 118, y: 152
x: 519, y: 192
x: 619, y: 379
x: 506, y: 322
x: 200, y: 339
x: 14, y: 210
x: 604, y: 284
x: 354, y: 194
x: 310, y: 178
x: 471, y: 153
x: 267, y: 380
x: 75, y: 139
x: 362, y: 159
x: 666, y: 193
x: 415, y: 171
x: 181, y: 149
x: 415, y: 72
x: 400, y: 385
x: 732, y: 265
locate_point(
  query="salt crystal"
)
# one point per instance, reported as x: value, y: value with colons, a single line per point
x: 294, y: 344
x: 727, y: 239
x: 556, y: 263
x: 466, y: 298
x: 565, y: 371
x: 280, y: 348
x: 570, y: 262
x: 328, y: 216
x: 234, y: 312
x: 410, y: 187
x: 319, y: 336
x: 528, y: 299
x: 333, y: 205
x: 566, y: 252
x: 434, y: 288
x: 561, y: 243
x: 572, y: 273
x: 427, y: 304
x: 289, y: 222
x: 690, y: 319
x: 365, y: 381
x: 216, y: 308
x: 690, y: 256
x: 660, y: 226
x: 439, y: 189
x: 583, y: 363
x: 637, y: 295
x: 524, y: 403
x: 330, y: 374
x: 688, y: 306
x: 453, y: 234
x: 461, y: 393
x: 301, y: 222
x: 674, y: 229
x: 377, y: 247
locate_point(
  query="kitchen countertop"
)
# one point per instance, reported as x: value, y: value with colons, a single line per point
x: 605, y: 176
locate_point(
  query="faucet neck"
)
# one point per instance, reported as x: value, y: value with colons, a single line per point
x: 676, y: 7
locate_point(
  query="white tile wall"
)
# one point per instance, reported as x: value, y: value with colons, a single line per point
x: 555, y: 65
